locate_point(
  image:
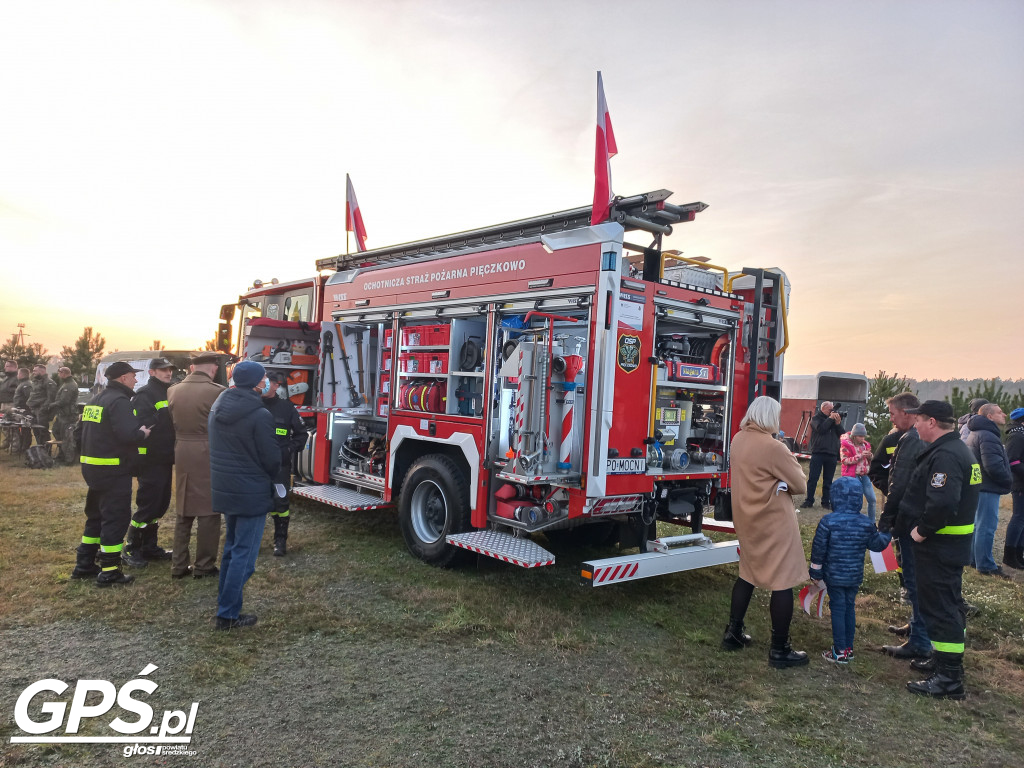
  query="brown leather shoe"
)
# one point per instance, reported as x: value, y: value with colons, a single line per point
x: 906, y: 651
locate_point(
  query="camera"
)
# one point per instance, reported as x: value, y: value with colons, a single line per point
x: 836, y: 409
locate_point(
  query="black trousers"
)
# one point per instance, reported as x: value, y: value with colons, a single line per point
x: 284, y: 477
x: 154, y: 494
x: 823, y: 465
x: 108, y: 506
x: 939, y: 584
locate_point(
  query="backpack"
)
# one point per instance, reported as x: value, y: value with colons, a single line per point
x: 37, y: 457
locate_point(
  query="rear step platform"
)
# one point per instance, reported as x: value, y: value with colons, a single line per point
x: 504, y: 547
x: 666, y: 556
x: 722, y: 526
x: 343, y: 498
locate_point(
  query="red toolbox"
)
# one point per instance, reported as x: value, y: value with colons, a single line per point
x: 412, y: 336
x: 435, y: 335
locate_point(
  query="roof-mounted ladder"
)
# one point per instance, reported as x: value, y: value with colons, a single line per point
x: 648, y: 212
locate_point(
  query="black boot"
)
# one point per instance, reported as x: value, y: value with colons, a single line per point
x: 131, y: 553
x: 85, y: 562
x: 110, y: 575
x: 1010, y: 557
x: 735, y: 639
x: 280, y: 536
x: 150, y: 549
x: 782, y: 655
x: 947, y: 682
x: 924, y: 665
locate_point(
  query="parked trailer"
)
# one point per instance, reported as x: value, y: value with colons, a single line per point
x: 802, y: 396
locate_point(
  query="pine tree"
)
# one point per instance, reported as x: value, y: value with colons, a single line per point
x: 83, y: 356
x: 989, y: 389
x: 27, y: 355
x: 880, y: 389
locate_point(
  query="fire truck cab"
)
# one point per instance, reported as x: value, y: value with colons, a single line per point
x: 542, y: 376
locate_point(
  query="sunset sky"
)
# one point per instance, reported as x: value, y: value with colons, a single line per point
x: 156, y: 157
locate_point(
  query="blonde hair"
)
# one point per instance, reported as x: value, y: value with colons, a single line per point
x: 763, y: 413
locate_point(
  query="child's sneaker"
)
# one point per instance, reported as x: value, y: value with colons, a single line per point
x: 849, y: 654
x: 835, y: 657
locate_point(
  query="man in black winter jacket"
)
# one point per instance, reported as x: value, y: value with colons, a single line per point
x: 985, y: 441
x: 1013, y: 555
x: 110, y: 438
x: 291, y: 437
x: 904, y: 461
x: 155, y: 466
x: 244, y: 459
x: 826, y: 429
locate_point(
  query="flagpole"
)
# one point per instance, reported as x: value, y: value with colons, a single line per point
x: 346, y: 214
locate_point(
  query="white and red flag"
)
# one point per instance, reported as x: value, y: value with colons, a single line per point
x: 884, y: 561
x: 603, y: 153
x: 353, y: 218
x: 812, y: 598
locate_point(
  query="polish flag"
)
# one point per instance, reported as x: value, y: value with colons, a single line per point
x: 884, y: 561
x: 808, y: 596
x: 603, y: 153
x: 353, y: 218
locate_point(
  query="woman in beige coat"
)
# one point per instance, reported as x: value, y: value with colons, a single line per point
x: 765, y: 477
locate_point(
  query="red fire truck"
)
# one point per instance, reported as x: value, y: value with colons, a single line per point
x: 543, y: 376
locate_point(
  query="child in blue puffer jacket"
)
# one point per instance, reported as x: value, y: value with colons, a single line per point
x: 837, y: 558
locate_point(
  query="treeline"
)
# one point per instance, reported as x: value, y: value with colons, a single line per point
x: 1008, y: 393
x: 942, y: 389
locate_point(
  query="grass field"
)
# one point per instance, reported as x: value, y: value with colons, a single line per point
x: 365, y: 656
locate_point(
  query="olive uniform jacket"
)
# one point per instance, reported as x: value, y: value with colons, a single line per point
x: 190, y: 402
x: 771, y: 551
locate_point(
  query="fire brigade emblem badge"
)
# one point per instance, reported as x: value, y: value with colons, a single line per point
x: 938, y: 479
x: 629, y: 353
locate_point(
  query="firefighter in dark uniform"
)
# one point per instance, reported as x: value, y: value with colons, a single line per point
x: 111, y: 436
x: 291, y: 438
x: 155, y: 467
x: 938, y: 510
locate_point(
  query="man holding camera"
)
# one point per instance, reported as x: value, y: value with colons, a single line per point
x: 826, y: 429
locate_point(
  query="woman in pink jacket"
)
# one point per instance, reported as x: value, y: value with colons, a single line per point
x: 855, y: 456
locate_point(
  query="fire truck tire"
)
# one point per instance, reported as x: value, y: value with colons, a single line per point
x: 434, y: 503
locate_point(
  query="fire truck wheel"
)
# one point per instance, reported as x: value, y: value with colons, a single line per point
x: 434, y: 503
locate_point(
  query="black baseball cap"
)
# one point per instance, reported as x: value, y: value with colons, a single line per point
x: 159, y: 362
x: 118, y: 369
x: 939, y: 410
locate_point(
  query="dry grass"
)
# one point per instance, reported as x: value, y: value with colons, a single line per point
x: 365, y: 656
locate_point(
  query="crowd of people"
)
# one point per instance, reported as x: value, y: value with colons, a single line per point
x: 227, y: 452
x: 50, y: 404
x: 941, y: 482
